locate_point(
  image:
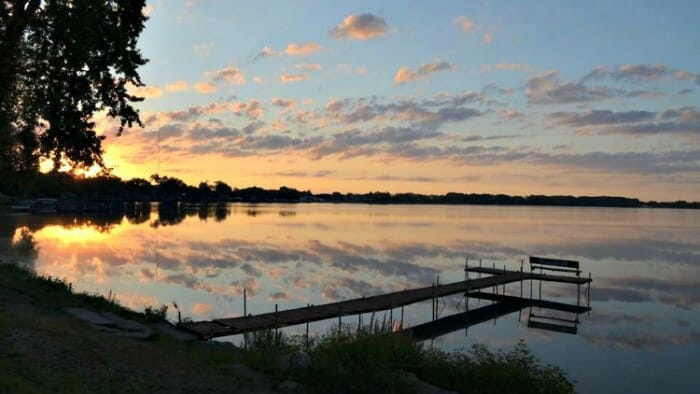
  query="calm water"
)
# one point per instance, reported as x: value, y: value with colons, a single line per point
x: 643, y: 334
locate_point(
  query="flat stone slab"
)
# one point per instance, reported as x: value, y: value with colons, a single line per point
x: 90, y: 316
x: 111, y: 323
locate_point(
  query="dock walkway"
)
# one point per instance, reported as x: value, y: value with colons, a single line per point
x: 239, y: 325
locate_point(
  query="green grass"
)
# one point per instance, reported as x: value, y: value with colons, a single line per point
x: 371, y: 360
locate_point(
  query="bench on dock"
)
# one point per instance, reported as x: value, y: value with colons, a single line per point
x: 555, y: 323
x: 559, y: 265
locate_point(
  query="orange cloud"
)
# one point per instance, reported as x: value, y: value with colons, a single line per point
x: 466, y: 25
x: 149, y: 92
x: 405, y: 74
x: 201, y: 308
x: 179, y: 86
x: 308, y: 67
x: 302, y: 49
x: 360, y: 27
x: 230, y: 75
x: 289, y: 78
x: 487, y: 38
x: 205, y: 87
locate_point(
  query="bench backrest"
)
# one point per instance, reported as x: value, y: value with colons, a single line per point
x: 543, y: 263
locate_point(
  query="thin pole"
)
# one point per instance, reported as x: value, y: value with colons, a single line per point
x: 521, y: 279
x: 391, y: 317
x: 432, y: 300
x: 307, y: 330
x: 245, y: 303
x: 466, y: 268
x: 340, y: 322
x: 401, y: 316
x: 504, y: 284
x: 276, y: 323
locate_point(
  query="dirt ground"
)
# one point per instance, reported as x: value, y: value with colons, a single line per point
x: 43, y: 349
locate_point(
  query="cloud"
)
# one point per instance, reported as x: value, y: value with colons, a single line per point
x: 204, y: 87
x: 289, y: 78
x: 405, y: 74
x: 487, y: 38
x: 359, y: 70
x: 266, y: 52
x: 464, y: 23
x: 302, y: 49
x: 639, y: 123
x: 230, y: 75
x: 682, y: 121
x: 203, y: 50
x: 282, y: 102
x: 148, y: 92
x: 600, y: 117
x: 509, y: 67
x: 548, y: 88
x: 291, y: 49
x: 671, y: 162
x: 179, y: 86
x: 360, y: 27
x: 638, y: 73
x: 201, y: 308
x: 308, y: 67
x: 257, y: 79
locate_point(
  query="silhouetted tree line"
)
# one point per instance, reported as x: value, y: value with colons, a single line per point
x: 171, y: 189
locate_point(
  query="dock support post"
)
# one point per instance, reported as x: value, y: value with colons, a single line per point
x: 276, y: 325
x: 340, y: 322
x: 401, y: 317
x: 245, y: 303
x: 307, y: 331
x: 432, y: 300
x: 391, y: 319
x: 588, y: 295
x: 466, y: 268
x: 504, y: 285
x: 521, y: 278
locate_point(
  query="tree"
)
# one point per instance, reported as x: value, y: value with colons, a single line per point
x: 62, y: 61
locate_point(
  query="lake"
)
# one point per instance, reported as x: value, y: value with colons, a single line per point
x: 642, y: 335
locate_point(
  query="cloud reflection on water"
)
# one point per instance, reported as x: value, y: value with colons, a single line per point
x: 301, y: 254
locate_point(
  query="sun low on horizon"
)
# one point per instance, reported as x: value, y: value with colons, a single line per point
x: 550, y: 97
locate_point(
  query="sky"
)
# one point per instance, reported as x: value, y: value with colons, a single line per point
x: 514, y: 97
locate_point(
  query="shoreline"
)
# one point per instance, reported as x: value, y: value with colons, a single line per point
x: 49, y: 347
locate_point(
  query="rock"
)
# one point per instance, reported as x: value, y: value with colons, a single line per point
x: 300, y: 359
x: 290, y: 386
x: 111, y: 323
x: 89, y: 316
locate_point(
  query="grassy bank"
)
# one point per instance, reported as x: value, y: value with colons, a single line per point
x: 44, y: 349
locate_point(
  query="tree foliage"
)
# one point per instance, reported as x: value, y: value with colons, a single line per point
x: 62, y: 61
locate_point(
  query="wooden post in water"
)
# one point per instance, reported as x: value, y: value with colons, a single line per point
x: 401, y: 317
x: 391, y: 318
x: 588, y: 297
x: 307, y: 330
x: 504, y: 285
x: 432, y: 301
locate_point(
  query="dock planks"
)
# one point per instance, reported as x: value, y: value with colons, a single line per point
x: 239, y: 325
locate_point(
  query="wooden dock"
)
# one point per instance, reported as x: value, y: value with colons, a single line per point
x: 239, y: 325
